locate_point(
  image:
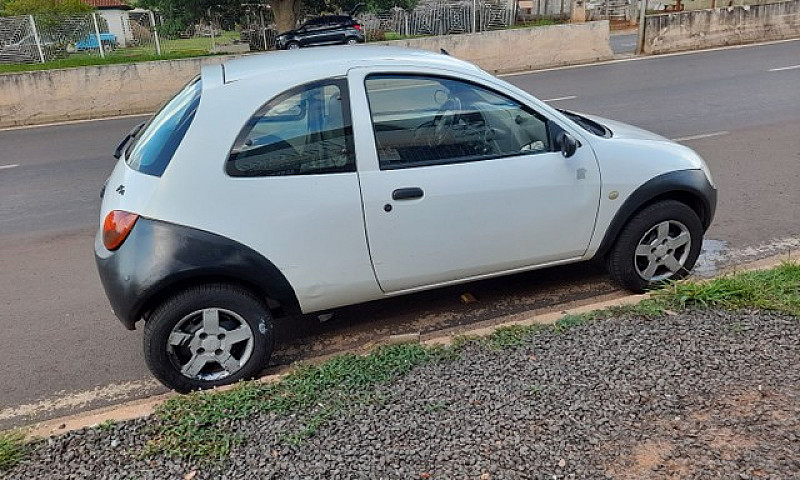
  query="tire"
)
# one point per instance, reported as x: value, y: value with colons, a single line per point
x: 351, y: 41
x: 187, y: 339
x: 292, y: 46
x: 649, y: 250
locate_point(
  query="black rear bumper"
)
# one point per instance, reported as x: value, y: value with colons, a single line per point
x: 158, y: 257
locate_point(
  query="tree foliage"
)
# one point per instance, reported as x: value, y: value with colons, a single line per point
x: 45, y: 7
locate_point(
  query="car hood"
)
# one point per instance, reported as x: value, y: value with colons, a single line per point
x: 625, y: 131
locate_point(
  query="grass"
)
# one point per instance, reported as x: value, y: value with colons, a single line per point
x: 777, y: 289
x: 171, y: 49
x: 544, y: 22
x: 12, y: 449
x: 196, y: 426
x: 190, y: 426
x: 199, y: 426
x: 86, y: 59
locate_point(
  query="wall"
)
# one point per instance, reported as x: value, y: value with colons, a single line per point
x: 735, y: 25
x: 502, y: 51
x: 93, y: 92
x: 46, y: 96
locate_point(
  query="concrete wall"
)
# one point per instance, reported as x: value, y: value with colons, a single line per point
x: 46, y: 96
x: 93, y: 92
x: 735, y: 25
x: 502, y: 51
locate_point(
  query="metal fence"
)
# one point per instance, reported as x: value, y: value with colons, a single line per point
x: 438, y: 18
x: 30, y: 39
x: 136, y: 34
x: 141, y: 34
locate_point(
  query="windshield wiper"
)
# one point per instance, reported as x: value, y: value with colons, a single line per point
x: 134, y: 131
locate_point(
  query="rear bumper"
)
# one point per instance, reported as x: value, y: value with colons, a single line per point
x: 158, y: 257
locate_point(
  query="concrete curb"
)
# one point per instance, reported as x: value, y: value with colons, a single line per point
x: 146, y: 407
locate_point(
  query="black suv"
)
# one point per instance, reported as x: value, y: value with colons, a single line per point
x: 322, y: 30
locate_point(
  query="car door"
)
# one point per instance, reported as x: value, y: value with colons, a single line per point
x: 462, y: 181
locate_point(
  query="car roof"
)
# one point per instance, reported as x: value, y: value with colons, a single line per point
x: 336, y: 60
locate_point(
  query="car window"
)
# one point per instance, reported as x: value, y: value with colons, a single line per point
x: 426, y: 120
x: 304, y: 131
x: 153, y: 148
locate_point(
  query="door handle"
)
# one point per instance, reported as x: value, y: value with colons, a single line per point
x: 408, y: 193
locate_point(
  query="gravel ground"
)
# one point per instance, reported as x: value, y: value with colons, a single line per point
x: 698, y: 395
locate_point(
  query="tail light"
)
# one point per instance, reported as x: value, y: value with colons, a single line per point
x: 116, y: 227
x: 357, y: 27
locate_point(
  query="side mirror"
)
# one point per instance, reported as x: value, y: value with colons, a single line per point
x: 568, y: 144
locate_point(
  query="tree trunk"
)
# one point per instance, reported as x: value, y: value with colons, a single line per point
x: 286, y: 13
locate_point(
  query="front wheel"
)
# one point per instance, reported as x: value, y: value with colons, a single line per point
x: 292, y: 46
x: 208, y: 336
x: 659, y: 244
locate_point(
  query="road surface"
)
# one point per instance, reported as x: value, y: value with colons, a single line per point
x: 740, y: 108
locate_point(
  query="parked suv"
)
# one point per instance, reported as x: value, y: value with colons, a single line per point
x: 299, y: 182
x: 323, y: 30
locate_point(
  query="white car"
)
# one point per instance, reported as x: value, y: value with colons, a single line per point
x: 307, y: 180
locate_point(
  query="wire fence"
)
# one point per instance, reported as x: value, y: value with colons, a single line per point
x: 141, y: 34
x: 438, y: 18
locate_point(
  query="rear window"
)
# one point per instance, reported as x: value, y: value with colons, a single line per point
x: 154, y: 146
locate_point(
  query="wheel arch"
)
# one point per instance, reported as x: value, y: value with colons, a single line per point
x: 173, y: 286
x: 160, y: 258
x: 690, y: 187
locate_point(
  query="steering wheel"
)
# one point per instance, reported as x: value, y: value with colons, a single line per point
x: 434, y: 132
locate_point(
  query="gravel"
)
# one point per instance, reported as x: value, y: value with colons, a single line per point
x: 698, y: 395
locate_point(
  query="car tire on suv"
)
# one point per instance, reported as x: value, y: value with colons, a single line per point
x: 292, y: 46
x: 659, y: 244
x: 351, y: 41
x: 207, y: 336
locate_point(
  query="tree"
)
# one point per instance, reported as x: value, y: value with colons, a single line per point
x: 46, y: 7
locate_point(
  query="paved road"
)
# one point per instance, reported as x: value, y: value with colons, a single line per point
x: 60, y: 336
x: 623, y: 44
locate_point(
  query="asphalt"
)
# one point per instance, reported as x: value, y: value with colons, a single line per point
x: 61, y: 337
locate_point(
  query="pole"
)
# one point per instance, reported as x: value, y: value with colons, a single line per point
x: 155, y: 32
x: 97, y: 35
x: 474, y: 16
x: 211, y: 21
x: 640, y: 38
x: 263, y: 28
x: 36, y: 38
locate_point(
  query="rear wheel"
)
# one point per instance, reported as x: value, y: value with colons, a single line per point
x: 207, y: 336
x: 352, y: 41
x: 659, y: 244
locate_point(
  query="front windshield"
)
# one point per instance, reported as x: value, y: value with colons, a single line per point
x: 154, y: 146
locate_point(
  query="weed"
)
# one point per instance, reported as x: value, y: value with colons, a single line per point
x: 533, y: 390
x: 12, y: 449
x: 777, y: 289
x: 512, y: 336
x: 196, y: 426
x: 106, y: 425
x: 190, y: 426
x: 436, y: 406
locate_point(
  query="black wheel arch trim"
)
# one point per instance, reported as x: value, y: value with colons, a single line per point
x: 159, y: 257
x: 690, y: 186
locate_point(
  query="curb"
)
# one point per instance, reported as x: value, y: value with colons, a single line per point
x: 145, y: 407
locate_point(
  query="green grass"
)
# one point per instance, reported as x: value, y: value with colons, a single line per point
x: 12, y: 449
x: 86, y: 59
x: 197, y: 426
x: 544, y: 22
x: 776, y: 290
x: 191, y: 426
x: 171, y: 49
